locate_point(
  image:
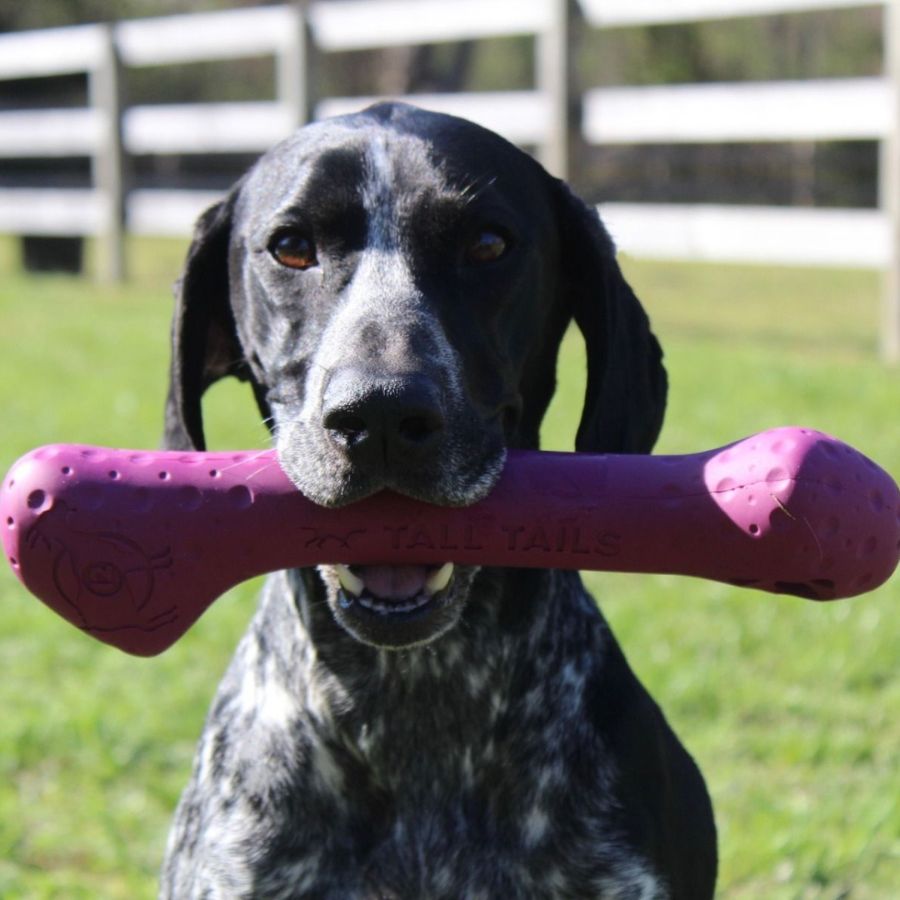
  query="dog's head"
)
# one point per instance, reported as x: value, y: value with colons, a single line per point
x: 394, y: 285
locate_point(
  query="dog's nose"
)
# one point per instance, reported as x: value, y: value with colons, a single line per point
x: 382, y: 419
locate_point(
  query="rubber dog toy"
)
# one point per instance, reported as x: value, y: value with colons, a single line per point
x: 133, y: 546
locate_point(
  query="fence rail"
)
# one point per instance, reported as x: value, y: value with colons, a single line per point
x: 69, y: 212
x: 616, y: 13
x: 107, y: 132
x: 823, y: 110
x: 54, y: 51
x: 753, y: 234
x: 522, y: 117
x: 364, y: 24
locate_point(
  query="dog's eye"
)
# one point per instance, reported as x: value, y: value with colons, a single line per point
x: 486, y: 246
x: 294, y: 250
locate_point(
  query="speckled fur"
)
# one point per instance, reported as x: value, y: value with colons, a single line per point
x: 472, y: 767
x: 512, y: 754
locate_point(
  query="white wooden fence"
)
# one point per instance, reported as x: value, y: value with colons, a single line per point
x: 833, y: 109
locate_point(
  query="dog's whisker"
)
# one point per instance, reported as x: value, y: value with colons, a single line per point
x: 260, y: 470
x: 258, y: 454
x: 473, y: 191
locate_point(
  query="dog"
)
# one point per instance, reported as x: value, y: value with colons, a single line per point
x: 394, y: 286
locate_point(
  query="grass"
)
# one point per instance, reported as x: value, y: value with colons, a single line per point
x: 791, y: 708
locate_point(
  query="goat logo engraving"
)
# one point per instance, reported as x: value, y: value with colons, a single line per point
x: 107, y: 580
x: 102, y: 579
x: 322, y: 540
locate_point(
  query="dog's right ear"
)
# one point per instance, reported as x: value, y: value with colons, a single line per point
x: 205, y: 345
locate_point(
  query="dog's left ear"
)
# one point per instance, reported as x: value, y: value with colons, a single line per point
x: 205, y: 345
x: 626, y: 390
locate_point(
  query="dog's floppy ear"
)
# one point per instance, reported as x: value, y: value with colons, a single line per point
x: 205, y: 346
x: 626, y: 383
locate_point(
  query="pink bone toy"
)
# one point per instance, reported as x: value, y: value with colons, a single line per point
x: 133, y: 546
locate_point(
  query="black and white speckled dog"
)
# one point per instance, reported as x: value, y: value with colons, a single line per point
x: 394, y: 285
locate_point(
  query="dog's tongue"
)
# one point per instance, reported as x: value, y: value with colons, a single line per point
x: 393, y: 582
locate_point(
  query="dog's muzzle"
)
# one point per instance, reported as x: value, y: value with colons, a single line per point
x: 392, y: 431
x: 397, y: 606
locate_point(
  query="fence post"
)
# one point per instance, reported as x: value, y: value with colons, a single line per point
x: 105, y: 97
x: 294, y: 68
x: 890, y: 188
x: 553, y: 77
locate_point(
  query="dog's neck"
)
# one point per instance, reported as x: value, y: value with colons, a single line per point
x: 444, y: 703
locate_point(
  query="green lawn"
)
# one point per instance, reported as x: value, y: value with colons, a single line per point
x: 792, y: 708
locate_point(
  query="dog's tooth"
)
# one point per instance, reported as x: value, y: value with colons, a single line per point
x: 437, y: 582
x: 351, y: 583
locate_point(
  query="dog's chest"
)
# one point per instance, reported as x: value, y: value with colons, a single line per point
x: 439, y: 854
x: 431, y: 802
x: 459, y: 844
x: 465, y: 771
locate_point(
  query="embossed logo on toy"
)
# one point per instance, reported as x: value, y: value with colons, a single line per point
x: 420, y: 536
x: 563, y: 536
x: 105, y: 577
x: 319, y: 539
x: 552, y: 537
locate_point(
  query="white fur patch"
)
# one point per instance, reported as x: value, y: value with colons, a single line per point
x: 632, y: 882
x: 326, y: 771
x: 535, y: 826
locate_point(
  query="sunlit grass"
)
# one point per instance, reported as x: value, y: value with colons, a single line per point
x: 790, y: 707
